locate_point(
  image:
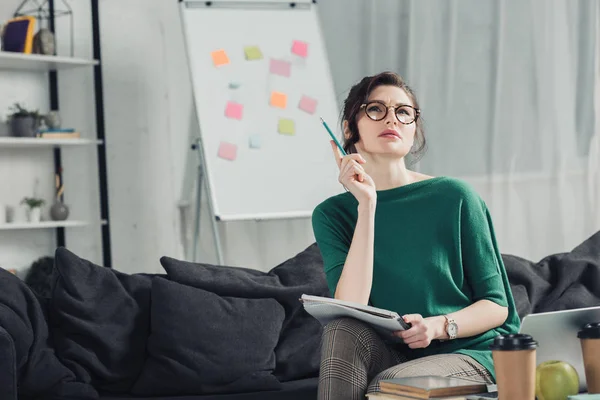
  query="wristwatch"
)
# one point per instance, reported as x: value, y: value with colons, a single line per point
x: 451, y: 327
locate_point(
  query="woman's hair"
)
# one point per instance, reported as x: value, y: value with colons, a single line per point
x: 358, y: 96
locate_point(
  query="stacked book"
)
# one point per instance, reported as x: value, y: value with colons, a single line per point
x: 58, y: 134
x: 432, y: 387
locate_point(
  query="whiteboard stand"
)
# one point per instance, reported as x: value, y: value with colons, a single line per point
x: 201, y: 181
x: 252, y: 152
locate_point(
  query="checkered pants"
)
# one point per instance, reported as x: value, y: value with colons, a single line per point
x: 354, y: 358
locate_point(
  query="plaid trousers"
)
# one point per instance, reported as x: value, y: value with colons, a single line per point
x: 354, y: 358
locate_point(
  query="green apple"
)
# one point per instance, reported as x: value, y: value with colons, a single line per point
x: 555, y: 380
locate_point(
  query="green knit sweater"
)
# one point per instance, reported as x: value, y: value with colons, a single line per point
x: 435, y: 252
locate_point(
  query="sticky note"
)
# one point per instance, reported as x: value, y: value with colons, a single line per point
x: 219, y: 58
x: 286, y: 127
x: 254, y: 142
x: 253, y: 53
x: 307, y: 104
x: 234, y: 110
x: 278, y: 99
x: 227, y: 151
x: 300, y: 48
x: 280, y: 67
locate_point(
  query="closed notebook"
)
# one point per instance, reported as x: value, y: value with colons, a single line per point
x: 389, y: 396
x: 425, y: 387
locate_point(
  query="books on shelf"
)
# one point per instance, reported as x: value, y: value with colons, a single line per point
x: 59, y: 134
x: 430, y: 387
x: 326, y: 309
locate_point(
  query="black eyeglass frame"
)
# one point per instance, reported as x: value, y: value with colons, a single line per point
x: 387, y: 109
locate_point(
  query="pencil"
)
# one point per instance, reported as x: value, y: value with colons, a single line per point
x: 333, y: 137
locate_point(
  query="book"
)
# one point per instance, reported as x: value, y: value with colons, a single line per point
x: 388, y: 396
x: 326, y: 309
x: 59, y: 135
x: 427, y: 387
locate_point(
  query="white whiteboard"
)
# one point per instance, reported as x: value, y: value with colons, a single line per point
x: 289, y: 174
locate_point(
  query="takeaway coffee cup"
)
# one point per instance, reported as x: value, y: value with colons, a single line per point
x: 589, y: 337
x: 514, y: 362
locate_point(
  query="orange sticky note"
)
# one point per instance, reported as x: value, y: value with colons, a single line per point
x: 227, y: 151
x: 278, y: 99
x: 219, y: 58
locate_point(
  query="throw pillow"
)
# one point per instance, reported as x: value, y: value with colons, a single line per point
x: 204, y: 343
x: 298, y: 350
x: 99, y: 321
x: 561, y: 281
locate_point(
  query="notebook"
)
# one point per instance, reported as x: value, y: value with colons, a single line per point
x: 18, y: 34
x: 426, y: 387
x: 326, y: 309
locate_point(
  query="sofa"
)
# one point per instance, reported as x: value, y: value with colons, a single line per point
x: 201, y: 331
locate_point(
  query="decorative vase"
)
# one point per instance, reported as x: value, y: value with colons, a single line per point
x: 24, y: 126
x: 34, y: 215
x: 52, y: 120
x: 44, y: 43
x: 59, y: 211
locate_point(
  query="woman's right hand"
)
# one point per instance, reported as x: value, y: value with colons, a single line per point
x: 353, y: 176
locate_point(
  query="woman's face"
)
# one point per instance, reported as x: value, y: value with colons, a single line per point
x: 388, y: 136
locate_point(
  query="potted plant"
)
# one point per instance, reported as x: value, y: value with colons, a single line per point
x: 35, y: 208
x: 23, y: 122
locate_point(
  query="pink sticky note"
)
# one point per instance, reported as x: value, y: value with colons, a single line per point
x: 308, y: 104
x: 227, y: 151
x: 280, y: 67
x: 234, y: 110
x: 300, y: 48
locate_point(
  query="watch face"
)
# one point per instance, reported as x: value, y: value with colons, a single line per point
x: 452, y: 329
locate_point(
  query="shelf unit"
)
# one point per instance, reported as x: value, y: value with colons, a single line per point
x: 12, y: 142
x: 47, y: 225
x: 36, y: 63
x: 41, y: 63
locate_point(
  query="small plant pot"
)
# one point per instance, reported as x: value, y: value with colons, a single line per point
x: 24, y: 126
x: 34, y: 215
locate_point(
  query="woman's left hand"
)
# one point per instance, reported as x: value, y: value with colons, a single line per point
x: 421, y: 333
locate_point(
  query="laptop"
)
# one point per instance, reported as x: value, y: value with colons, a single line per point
x: 556, y: 334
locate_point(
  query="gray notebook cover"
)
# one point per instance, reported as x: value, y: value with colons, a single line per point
x: 325, y: 309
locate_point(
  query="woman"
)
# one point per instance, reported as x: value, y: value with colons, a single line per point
x: 400, y: 240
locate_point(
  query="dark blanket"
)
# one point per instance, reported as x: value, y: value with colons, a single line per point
x: 560, y: 281
x: 40, y: 374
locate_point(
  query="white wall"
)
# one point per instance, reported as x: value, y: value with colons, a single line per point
x: 150, y: 122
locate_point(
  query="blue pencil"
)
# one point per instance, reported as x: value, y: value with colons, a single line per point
x: 333, y: 137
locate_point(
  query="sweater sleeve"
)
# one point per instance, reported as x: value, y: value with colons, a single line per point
x: 334, y: 248
x: 481, y: 259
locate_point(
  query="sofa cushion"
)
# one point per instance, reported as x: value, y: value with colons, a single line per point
x: 298, y: 350
x: 561, y: 281
x: 204, y: 343
x: 27, y: 362
x: 99, y: 320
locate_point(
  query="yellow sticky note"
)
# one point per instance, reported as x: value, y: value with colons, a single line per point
x: 253, y: 53
x: 278, y: 99
x: 286, y: 127
x: 219, y: 58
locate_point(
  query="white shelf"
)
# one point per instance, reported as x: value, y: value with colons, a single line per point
x: 40, y: 63
x: 47, y: 225
x: 41, y: 142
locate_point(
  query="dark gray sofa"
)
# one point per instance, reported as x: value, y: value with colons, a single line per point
x: 203, y: 331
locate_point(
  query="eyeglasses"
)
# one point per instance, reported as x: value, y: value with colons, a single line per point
x: 377, y: 110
